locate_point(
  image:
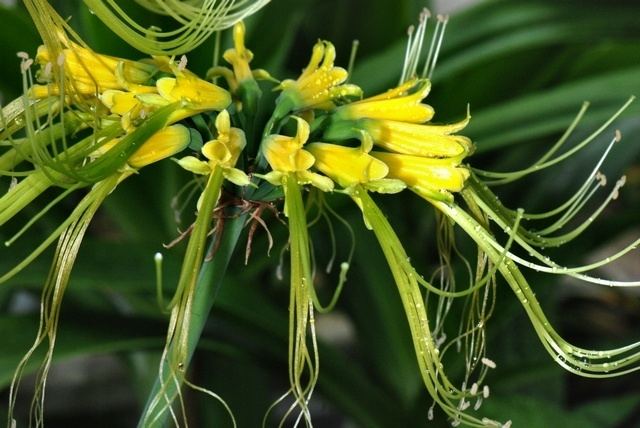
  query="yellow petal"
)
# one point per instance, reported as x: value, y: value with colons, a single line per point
x: 200, y: 94
x: 223, y: 122
x: 240, y: 56
x: 348, y: 166
x: 163, y: 144
x: 316, y: 180
x: 237, y: 177
x: 425, y: 173
x: 194, y: 165
x: 302, y: 132
x: 402, y: 90
x: 417, y: 139
x: 396, y: 104
x: 119, y: 102
x: 217, y: 152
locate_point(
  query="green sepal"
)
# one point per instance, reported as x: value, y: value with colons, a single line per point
x: 249, y: 93
x: 195, y: 142
x: 342, y: 129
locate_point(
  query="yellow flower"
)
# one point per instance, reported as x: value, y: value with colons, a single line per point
x: 395, y: 120
x: 161, y: 145
x: 199, y: 94
x: 287, y: 157
x: 349, y: 166
x: 222, y: 152
x: 420, y: 139
x: 239, y: 57
x: 402, y: 103
x: 320, y: 82
x: 431, y: 178
x: 90, y: 73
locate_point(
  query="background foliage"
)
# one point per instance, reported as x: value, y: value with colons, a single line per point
x: 524, y: 67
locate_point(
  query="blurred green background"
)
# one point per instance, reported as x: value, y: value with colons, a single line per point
x: 523, y: 67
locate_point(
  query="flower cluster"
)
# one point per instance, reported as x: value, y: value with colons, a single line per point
x: 322, y: 137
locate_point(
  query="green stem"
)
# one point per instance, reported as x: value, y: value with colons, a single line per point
x: 427, y: 353
x: 301, y: 319
x: 199, y: 284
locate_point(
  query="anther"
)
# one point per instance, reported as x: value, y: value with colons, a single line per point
x: 183, y: 63
x: 489, y: 363
x: 618, y: 136
x: 485, y: 391
x: 425, y: 14
x: 22, y: 55
x: 410, y: 30
x: 478, y: 403
x: 621, y: 182
x: 26, y: 64
x: 46, y: 72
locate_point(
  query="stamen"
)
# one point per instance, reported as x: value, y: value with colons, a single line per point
x: 26, y: 64
x: 434, y: 48
x: 46, y: 72
x: 157, y: 260
x: 489, y: 363
x: 485, y: 392
x: 407, y: 54
x: 621, y: 182
x: 491, y: 422
x: 414, y: 47
x: 183, y: 63
x: 478, y: 404
x: 464, y: 404
x: 352, y: 58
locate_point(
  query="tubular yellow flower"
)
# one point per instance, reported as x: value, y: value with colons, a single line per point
x: 431, y: 178
x: 119, y: 102
x: 320, y: 82
x: 239, y: 57
x: 420, y: 139
x: 226, y: 149
x: 199, y: 94
x: 222, y: 152
x: 402, y: 103
x: 287, y: 157
x: 347, y: 165
x: 395, y: 120
x: 163, y: 144
x: 89, y: 72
